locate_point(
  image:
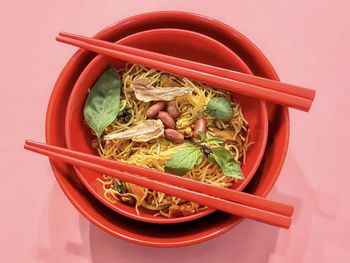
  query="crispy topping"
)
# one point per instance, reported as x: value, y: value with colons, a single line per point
x: 142, y: 132
x: 145, y: 92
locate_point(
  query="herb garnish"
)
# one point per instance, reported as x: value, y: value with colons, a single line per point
x: 220, y: 108
x: 102, y: 103
x: 125, y: 114
x: 187, y: 158
x: 184, y: 160
x: 119, y: 187
x: 225, y: 160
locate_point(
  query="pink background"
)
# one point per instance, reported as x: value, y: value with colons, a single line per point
x: 308, y: 42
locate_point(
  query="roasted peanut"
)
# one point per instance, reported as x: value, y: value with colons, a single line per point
x: 174, y: 136
x: 172, y: 109
x: 167, y: 120
x: 201, y: 126
x: 153, y: 111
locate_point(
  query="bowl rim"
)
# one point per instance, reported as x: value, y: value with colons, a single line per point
x: 56, y: 92
x: 119, y: 208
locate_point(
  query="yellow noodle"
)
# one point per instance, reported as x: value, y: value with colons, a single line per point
x: 154, y: 154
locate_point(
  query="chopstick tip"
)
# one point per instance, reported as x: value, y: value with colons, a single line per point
x: 62, y: 33
x: 27, y: 141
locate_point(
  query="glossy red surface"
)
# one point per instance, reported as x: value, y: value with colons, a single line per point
x: 180, y: 43
x: 180, y: 234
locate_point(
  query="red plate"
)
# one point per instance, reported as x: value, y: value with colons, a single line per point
x: 179, y: 234
x: 179, y: 43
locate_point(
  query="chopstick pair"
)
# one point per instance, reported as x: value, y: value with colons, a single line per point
x: 265, y: 89
x: 230, y: 201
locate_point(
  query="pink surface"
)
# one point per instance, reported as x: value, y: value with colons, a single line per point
x: 307, y: 42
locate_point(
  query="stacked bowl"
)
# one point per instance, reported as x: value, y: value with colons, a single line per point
x: 236, y: 52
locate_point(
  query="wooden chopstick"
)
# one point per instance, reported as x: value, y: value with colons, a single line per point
x: 298, y: 91
x: 143, y: 176
x: 215, y: 80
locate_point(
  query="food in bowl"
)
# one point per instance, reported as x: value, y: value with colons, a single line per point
x: 168, y: 123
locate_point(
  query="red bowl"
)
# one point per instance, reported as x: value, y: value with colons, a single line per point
x: 178, y: 234
x: 179, y: 43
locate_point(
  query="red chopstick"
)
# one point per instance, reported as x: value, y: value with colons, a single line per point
x: 256, y: 208
x: 274, y: 91
x: 236, y: 196
x: 302, y: 92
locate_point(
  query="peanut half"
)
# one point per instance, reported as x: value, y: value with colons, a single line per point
x: 172, y: 109
x: 200, y: 126
x: 167, y: 120
x: 153, y: 111
x: 174, y: 136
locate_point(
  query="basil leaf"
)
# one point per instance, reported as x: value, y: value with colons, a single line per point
x: 102, y: 103
x: 184, y: 160
x: 211, y: 158
x: 202, y: 136
x: 215, y: 140
x: 220, y: 108
x: 225, y: 160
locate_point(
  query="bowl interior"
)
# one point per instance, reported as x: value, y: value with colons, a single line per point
x: 180, y: 43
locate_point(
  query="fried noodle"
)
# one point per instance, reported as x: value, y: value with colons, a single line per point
x: 155, y: 153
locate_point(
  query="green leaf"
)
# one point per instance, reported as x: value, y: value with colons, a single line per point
x: 220, y: 108
x: 184, y: 160
x: 102, y: 103
x: 211, y: 158
x: 120, y: 187
x: 215, y: 140
x: 225, y: 160
x: 202, y: 136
